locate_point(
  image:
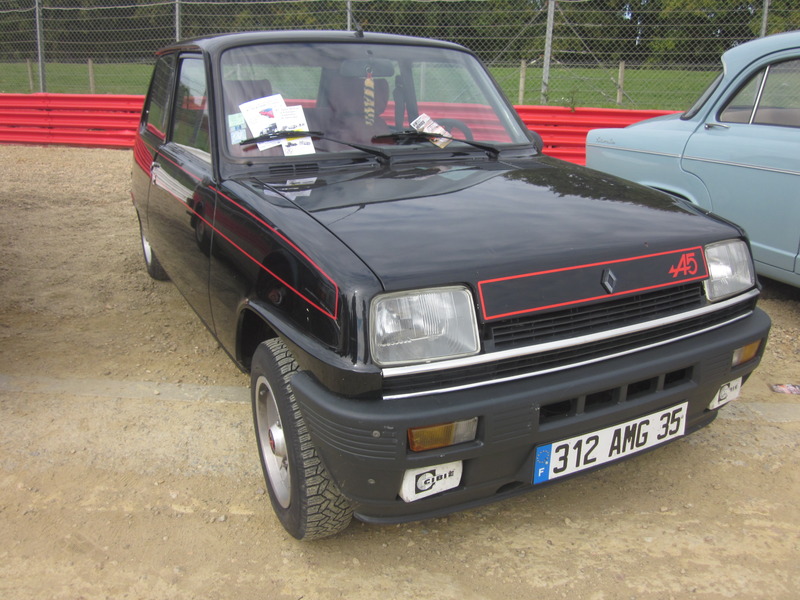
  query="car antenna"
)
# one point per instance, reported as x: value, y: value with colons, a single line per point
x: 359, y: 30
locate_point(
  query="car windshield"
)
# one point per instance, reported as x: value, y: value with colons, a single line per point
x: 384, y: 98
x: 703, y: 98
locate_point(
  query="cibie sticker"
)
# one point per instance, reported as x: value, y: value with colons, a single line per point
x: 729, y: 391
x: 427, y: 481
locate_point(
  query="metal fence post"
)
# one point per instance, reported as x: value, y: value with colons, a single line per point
x: 764, y: 18
x: 177, y: 20
x: 40, y: 46
x: 548, y: 49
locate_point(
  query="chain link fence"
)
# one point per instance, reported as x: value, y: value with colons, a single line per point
x: 602, y: 53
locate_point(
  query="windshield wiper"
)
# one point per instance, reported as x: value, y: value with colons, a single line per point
x: 283, y: 135
x: 410, y: 134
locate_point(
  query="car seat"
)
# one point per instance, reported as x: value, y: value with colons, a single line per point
x: 349, y: 121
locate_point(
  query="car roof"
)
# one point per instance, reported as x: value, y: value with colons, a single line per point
x: 740, y: 56
x: 219, y: 43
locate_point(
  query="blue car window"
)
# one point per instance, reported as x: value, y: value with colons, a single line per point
x: 700, y: 102
x: 780, y: 99
x: 739, y: 109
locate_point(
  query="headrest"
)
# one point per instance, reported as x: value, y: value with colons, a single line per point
x: 346, y: 95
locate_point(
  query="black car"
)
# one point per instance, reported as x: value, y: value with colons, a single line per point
x: 433, y: 314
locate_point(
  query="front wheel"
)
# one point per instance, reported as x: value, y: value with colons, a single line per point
x: 306, y: 500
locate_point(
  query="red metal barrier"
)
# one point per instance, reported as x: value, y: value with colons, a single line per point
x: 564, y: 129
x: 110, y: 121
x: 107, y: 121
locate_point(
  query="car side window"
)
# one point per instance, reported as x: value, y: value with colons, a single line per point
x: 190, y: 112
x: 770, y: 97
x: 740, y: 108
x: 157, y: 112
x: 780, y: 100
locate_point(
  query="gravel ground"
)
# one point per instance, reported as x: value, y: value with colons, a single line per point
x: 128, y: 467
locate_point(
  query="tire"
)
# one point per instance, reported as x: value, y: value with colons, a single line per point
x: 305, y: 499
x: 154, y: 268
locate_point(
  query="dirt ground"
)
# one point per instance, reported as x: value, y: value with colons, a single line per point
x: 128, y: 466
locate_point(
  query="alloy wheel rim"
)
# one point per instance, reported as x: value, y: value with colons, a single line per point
x: 273, y: 443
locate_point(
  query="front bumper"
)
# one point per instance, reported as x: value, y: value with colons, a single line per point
x: 364, y: 443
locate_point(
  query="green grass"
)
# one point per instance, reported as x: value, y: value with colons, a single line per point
x: 64, y: 78
x: 650, y: 88
x: 664, y: 89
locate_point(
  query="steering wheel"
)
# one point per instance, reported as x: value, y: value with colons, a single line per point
x: 458, y: 125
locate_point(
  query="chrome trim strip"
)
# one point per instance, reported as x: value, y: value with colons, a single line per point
x: 563, y: 367
x: 609, y: 147
x: 743, y: 166
x: 480, y: 359
x: 696, y: 158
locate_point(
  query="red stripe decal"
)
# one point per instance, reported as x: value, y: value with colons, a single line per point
x: 504, y: 296
x: 283, y: 237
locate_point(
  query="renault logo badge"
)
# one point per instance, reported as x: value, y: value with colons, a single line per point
x: 609, y: 281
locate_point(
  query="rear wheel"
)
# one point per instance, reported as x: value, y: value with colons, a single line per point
x: 154, y: 268
x: 307, y: 502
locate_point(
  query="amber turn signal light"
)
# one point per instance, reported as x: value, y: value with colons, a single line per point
x: 445, y: 434
x: 745, y: 353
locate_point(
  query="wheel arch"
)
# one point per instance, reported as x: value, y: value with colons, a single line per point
x: 253, y: 329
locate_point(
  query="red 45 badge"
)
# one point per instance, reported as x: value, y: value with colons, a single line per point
x: 687, y: 265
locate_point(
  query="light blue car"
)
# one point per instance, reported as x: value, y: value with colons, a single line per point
x: 736, y: 152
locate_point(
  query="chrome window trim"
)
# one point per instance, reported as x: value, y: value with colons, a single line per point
x: 491, y: 357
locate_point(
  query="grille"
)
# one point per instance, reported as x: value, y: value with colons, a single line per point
x: 578, y: 321
x: 561, y: 358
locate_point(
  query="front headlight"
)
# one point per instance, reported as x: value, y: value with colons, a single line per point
x: 730, y: 269
x: 423, y: 325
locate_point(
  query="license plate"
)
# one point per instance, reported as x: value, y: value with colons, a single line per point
x: 559, y: 459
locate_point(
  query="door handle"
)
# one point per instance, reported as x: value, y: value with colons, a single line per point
x: 716, y: 126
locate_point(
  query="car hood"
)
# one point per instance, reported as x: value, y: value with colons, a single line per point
x: 418, y: 226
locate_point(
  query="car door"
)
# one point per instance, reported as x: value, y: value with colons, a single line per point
x: 181, y: 202
x: 747, y: 152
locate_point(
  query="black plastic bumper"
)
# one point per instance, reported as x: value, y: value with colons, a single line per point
x: 364, y: 443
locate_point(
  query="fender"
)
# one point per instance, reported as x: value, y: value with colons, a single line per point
x: 259, y: 320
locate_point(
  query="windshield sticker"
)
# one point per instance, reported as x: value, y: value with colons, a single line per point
x: 270, y: 115
x: 260, y: 117
x: 237, y: 128
x: 427, y: 125
x: 292, y: 118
